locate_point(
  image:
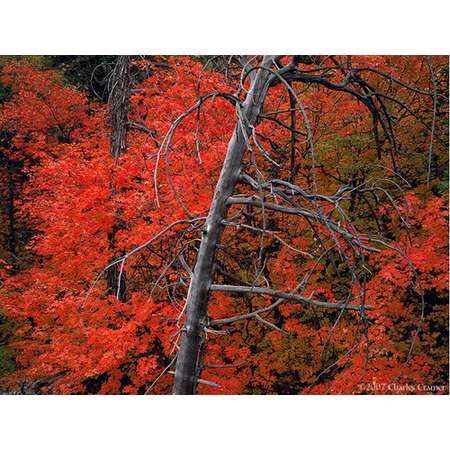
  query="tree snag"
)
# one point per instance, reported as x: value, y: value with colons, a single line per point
x: 189, y: 355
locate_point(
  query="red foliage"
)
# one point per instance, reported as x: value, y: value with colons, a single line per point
x: 109, y: 346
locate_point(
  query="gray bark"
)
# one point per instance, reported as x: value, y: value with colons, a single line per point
x: 118, y: 117
x: 119, y: 106
x: 188, y: 363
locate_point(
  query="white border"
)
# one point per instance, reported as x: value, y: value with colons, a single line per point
x: 223, y: 422
x: 224, y: 27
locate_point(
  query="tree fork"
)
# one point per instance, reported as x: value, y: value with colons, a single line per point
x: 189, y: 356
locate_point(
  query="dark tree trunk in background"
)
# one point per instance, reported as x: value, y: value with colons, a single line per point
x: 292, y: 106
x: 118, y: 116
x: 119, y: 106
x: 12, y: 229
x: 188, y: 364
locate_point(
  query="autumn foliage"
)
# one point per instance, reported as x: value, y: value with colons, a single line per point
x: 57, y: 174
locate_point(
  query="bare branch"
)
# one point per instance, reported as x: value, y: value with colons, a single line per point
x: 283, y: 296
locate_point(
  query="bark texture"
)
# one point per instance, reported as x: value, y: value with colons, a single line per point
x: 118, y: 116
x: 188, y: 363
x: 119, y: 106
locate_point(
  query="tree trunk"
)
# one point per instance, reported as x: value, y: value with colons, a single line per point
x: 12, y: 231
x: 189, y: 356
x: 119, y: 106
x: 118, y: 116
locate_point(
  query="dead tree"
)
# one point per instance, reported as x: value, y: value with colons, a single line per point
x: 188, y: 358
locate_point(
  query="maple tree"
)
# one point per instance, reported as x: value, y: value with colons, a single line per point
x: 280, y: 223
